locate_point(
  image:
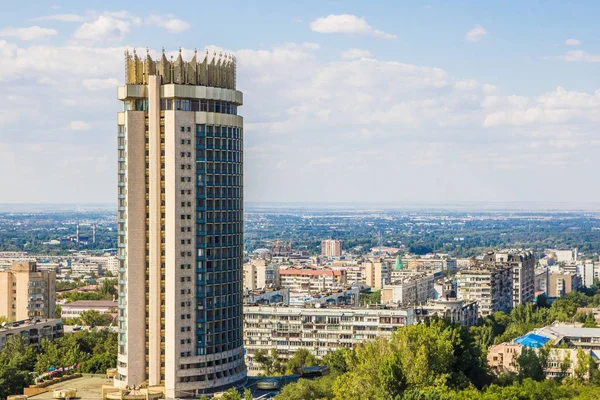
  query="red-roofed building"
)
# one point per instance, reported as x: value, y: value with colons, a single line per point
x: 311, y: 280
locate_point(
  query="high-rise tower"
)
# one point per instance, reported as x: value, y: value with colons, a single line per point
x: 180, y: 225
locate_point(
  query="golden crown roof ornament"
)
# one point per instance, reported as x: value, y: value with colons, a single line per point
x: 220, y: 72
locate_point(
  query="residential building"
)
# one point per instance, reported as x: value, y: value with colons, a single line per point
x: 523, y: 272
x: 565, y: 256
x: 587, y: 274
x: 331, y: 248
x: 309, y: 280
x: 354, y: 274
x: 376, y: 273
x: 107, y: 263
x: 320, y: 330
x: 75, y: 308
x: 27, y: 293
x: 324, y: 328
x: 33, y: 331
x: 488, y: 284
x: 86, y: 269
x: 561, y: 283
x: 180, y: 225
x: 259, y: 274
x: 541, y: 280
x: 415, y: 289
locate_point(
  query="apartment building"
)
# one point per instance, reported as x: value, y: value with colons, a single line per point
x: 354, y: 274
x: 322, y: 329
x: 331, y: 248
x: 376, y: 273
x: 107, y: 263
x: 489, y: 284
x: 561, y: 283
x: 33, y: 331
x: 523, y: 272
x: 436, y: 264
x: 27, y: 293
x: 259, y: 274
x: 87, y: 269
x: 309, y: 280
x: 410, y: 290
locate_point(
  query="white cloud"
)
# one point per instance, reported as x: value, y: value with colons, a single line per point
x: 580, y: 55
x: 354, y: 53
x: 102, y: 28
x: 347, y: 23
x: 349, y: 119
x: 79, y: 126
x: 572, y: 42
x: 95, y: 84
x: 558, y: 107
x: 62, y: 18
x: 29, y: 33
x: 311, y: 46
x: 476, y: 33
x: 168, y: 22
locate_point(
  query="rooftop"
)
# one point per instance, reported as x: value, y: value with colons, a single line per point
x: 91, y: 303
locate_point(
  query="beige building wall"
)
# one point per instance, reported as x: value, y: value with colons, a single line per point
x: 331, y: 248
x: 132, y: 248
x: 560, y: 284
x: 26, y: 293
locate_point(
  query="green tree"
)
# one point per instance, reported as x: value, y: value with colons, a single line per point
x: 248, y: 394
x: 108, y: 288
x: 370, y: 297
x: 231, y: 394
x: 270, y: 362
x: 306, y: 389
x: 336, y: 360
x: 95, y: 318
x: 565, y: 364
x: 530, y: 366
x: 301, y: 358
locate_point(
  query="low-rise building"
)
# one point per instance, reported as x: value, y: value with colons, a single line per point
x: 266, y: 297
x: 74, y: 309
x: 565, y: 341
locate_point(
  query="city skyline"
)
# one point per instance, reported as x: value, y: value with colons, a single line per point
x: 460, y: 102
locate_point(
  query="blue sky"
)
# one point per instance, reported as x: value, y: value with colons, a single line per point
x: 383, y: 101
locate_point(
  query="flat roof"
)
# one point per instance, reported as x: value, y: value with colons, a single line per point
x: 88, y: 387
x: 92, y: 303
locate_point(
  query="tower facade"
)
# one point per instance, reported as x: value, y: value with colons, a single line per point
x: 180, y: 224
